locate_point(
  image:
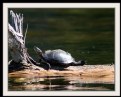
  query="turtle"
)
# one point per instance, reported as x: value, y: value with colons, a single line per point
x: 57, y: 57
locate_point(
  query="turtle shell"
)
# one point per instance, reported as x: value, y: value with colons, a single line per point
x: 59, y: 56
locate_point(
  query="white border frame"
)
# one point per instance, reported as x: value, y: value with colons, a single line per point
x: 61, y: 5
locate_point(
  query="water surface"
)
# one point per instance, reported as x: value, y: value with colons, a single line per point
x: 57, y: 83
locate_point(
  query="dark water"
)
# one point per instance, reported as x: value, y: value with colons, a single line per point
x: 57, y: 84
x: 87, y: 34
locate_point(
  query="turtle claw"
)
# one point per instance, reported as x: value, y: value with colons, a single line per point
x: 49, y: 67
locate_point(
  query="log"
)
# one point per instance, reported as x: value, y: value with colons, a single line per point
x: 16, y: 44
x: 87, y: 73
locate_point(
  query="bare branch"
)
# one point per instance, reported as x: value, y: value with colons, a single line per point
x: 25, y: 33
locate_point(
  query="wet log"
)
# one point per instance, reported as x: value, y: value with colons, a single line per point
x: 87, y: 73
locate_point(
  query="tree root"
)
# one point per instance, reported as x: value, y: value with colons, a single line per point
x: 14, y: 66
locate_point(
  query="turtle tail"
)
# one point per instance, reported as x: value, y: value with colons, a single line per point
x: 79, y: 63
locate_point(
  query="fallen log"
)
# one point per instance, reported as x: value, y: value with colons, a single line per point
x: 90, y: 73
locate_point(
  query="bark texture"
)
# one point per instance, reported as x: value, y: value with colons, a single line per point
x: 16, y: 43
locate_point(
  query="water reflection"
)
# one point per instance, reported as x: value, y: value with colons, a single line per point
x: 56, y: 83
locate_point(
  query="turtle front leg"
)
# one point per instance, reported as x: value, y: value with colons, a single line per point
x: 48, y: 66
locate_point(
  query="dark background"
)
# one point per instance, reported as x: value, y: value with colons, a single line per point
x: 87, y: 34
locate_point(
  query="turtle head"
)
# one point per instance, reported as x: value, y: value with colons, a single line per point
x: 38, y: 51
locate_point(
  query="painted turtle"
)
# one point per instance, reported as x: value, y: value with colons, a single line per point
x: 57, y: 57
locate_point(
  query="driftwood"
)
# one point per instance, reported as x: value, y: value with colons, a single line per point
x: 16, y: 43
